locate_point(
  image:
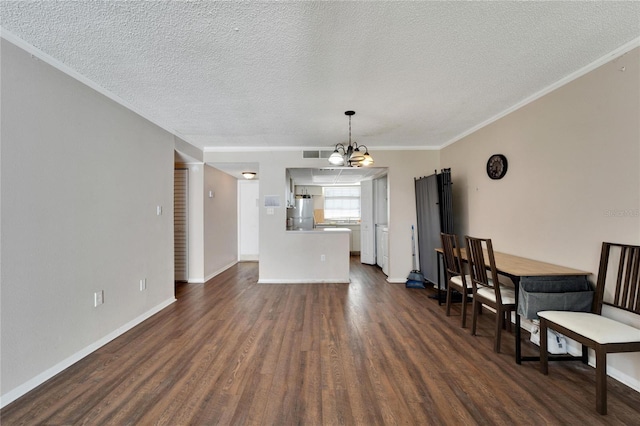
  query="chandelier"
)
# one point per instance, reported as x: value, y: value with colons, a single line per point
x: 351, y: 155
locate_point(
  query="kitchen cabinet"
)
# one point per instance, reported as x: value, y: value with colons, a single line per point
x: 355, y: 239
x: 308, y: 190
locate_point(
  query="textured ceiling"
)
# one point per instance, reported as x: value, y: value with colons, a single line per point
x: 281, y: 74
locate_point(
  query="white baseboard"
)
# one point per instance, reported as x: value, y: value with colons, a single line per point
x: 632, y: 382
x: 219, y: 271
x: 249, y: 258
x: 16, y: 393
x: 212, y: 275
x: 397, y: 280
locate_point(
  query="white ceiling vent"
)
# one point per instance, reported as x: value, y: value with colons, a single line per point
x: 316, y: 154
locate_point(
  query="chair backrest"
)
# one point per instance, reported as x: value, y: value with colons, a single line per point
x: 481, y: 260
x: 625, y: 274
x: 451, y: 255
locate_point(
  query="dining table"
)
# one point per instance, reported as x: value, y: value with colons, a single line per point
x: 515, y: 268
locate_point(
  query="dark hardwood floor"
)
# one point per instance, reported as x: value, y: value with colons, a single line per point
x: 365, y: 353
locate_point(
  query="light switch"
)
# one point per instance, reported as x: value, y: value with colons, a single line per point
x: 159, y: 210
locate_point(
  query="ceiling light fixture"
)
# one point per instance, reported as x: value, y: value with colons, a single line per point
x: 351, y: 155
x: 249, y: 175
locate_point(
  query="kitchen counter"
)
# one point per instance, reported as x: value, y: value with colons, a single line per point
x: 354, y: 227
x: 320, y: 255
x: 319, y: 229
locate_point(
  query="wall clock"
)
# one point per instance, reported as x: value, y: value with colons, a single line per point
x: 497, y: 166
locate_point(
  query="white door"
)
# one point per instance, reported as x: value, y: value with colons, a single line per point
x: 248, y: 220
x: 367, y: 228
x: 380, y: 208
x: 385, y: 251
x: 181, y: 224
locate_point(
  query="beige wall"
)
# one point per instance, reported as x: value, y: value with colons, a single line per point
x: 220, y: 221
x: 81, y: 180
x: 573, y: 179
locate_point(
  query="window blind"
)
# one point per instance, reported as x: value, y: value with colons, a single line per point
x: 342, y: 202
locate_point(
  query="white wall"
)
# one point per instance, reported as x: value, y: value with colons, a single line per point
x: 277, y: 247
x: 573, y: 179
x: 81, y: 179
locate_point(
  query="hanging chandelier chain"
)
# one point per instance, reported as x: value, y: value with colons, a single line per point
x: 351, y: 155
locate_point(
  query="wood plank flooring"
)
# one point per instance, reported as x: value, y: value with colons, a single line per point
x: 366, y: 353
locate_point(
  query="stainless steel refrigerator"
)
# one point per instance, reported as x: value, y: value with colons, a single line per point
x: 302, y: 214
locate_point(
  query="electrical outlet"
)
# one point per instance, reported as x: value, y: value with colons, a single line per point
x: 143, y: 284
x: 322, y: 258
x: 98, y: 298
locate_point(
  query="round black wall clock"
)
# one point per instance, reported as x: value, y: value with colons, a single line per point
x: 497, y: 166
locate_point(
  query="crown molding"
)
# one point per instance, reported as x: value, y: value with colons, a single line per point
x: 312, y: 148
x: 625, y: 48
x: 35, y: 52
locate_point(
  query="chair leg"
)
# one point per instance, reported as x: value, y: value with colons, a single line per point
x: 544, y: 356
x: 601, y: 380
x: 585, y: 354
x: 463, y: 322
x: 507, y: 317
x: 498, y: 338
x: 474, y: 316
x: 448, y: 302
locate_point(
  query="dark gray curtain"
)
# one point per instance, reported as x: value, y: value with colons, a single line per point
x: 428, y: 224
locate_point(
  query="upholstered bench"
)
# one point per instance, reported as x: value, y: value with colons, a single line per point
x: 599, y: 329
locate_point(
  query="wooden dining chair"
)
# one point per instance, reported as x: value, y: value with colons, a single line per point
x: 621, y: 288
x: 487, y: 289
x: 454, y: 272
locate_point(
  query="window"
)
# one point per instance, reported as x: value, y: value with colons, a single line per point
x: 342, y: 202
